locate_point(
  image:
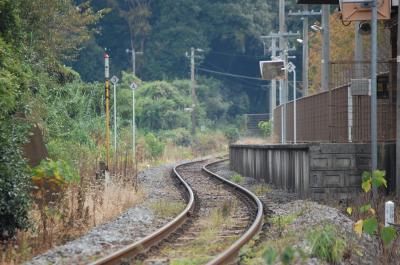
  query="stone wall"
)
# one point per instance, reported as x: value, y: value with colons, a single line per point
x: 318, y: 171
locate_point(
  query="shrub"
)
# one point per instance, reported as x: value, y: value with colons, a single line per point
x: 154, y: 146
x: 232, y: 134
x: 326, y: 244
x: 14, y: 180
x: 266, y: 127
x: 238, y: 179
x: 50, y: 180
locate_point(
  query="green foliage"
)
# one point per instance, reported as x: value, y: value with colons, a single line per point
x: 161, y: 107
x: 266, y: 127
x: 270, y: 256
x: 369, y: 224
x: 14, y: 179
x: 154, y: 146
x: 326, y: 244
x: 287, y: 256
x: 388, y: 235
x: 179, y: 136
x: 238, y: 179
x: 232, y: 134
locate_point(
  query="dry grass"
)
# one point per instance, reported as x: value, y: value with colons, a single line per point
x: 101, y: 204
x: 256, y: 140
x: 165, y: 209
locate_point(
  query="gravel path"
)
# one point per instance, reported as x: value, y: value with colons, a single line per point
x: 131, y: 226
x: 306, y: 215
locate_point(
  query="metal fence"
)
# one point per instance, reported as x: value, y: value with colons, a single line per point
x: 340, y: 116
x: 252, y: 121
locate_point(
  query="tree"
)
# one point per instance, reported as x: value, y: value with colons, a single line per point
x: 57, y: 28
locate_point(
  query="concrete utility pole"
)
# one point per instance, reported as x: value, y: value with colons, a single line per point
x: 133, y: 53
x: 107, y: 92
x: 374, y: 48
x: 283, y: 56
x: 193, y: 85
x: 283, y: 83
x: 192, y: 76
x: 305, y: 14
x: 398, y: 110
x: 325, y: 48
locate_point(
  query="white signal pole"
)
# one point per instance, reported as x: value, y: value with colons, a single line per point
x: 114, y: 81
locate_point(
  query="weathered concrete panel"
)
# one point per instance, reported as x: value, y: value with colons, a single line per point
x: 318, y: 171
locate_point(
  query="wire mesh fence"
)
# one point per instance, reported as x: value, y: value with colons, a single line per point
x: 341, y: 114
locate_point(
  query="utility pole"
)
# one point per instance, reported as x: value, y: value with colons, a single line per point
x: 374, y: 48
x: 325, y: 48
x: 398, y: 110
x: 284, y: 56
x: 192, y: 76
x: 107, y: 92
x: 133, y: 54
x: 283, y: 83
x: 305, y: 14
x: 192, y: 57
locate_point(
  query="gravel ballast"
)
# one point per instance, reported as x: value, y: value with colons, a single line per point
x: 307, y: 216
x: 133, y: 225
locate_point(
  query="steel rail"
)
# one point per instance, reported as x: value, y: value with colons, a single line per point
x: 146, y: 243
x: 231, y: 253
x: 134, y: 249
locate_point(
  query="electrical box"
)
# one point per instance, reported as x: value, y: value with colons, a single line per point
x: 360, y: 87
x: 273, y: 70
x: 362, y: 11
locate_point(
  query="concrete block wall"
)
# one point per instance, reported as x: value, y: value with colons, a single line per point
x: 318, y: 171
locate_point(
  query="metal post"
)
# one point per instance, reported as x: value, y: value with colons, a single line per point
x: 325, y: 48
x: 294, y: 107
x: 107, y: 92
x: 193, y: 91
x: 398, y: 111
x: 283, y: 83
x: 133, y: 61
x: 133, y: 126
x: 374, y: 40
x: 273, y: 84
x: 115, y: 118
x: 305, y: 52
x: 358, y: 51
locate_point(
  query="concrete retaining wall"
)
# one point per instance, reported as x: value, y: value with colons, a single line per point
x: 318, y: 171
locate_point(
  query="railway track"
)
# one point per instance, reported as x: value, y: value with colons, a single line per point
x: 220, y: 217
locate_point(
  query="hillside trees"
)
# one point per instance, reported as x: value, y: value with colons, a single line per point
x: 34, y: 36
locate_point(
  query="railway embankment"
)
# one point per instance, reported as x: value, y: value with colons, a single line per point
x: 131, y: 226
x: 293, y: 229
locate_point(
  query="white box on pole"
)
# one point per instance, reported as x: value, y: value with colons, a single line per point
x: 389, y: 213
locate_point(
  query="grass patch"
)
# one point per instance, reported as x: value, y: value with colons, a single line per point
x: 166, y: 209
x: 207, y: 243
x: 238, y: 179
x: 261, y: 189
x: 326, y: 244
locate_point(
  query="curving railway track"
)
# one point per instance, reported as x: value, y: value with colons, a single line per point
x: 220, y: 217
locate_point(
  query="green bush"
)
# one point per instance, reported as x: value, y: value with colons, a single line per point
x: 326, y: 245
x: 266, y: 127
x: 154, y: 146
x: 14, y: 180
x: 232, y: 134
x: 238, y: 179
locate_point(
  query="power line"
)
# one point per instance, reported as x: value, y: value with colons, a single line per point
x: 228, y: 74
x: 236, y: 54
